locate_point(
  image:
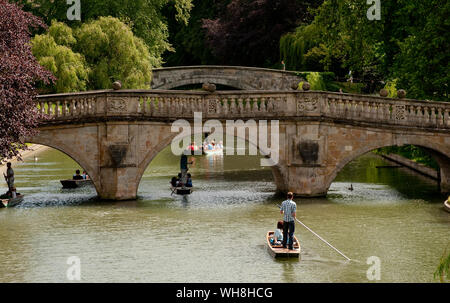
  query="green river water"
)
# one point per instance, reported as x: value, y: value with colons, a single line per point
x: 217, y: 234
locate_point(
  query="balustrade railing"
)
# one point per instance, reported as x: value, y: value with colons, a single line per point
x: 156, y: 104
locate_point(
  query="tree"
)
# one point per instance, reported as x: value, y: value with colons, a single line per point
x: 19, y: 71
x: 114, y: 53
x: 189, y: 40
x: 145, y: 17
x: 407, y: 46
x: 248, y: 31
x: 422, y: 65
x: 53, y: 51
x: 94, y: 55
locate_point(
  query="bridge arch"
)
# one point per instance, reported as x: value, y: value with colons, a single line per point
x: 167, y: 140
x: 240, y: 77
x: 69, y: 151
x: 439, y: 153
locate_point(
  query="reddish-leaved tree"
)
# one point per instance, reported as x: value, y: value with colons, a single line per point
x: 19, y: 72
x: 248, y: 32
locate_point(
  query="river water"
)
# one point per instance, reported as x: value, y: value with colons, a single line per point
x: 217, y: 234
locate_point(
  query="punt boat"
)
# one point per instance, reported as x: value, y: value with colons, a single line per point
x: 11, y: 202
x: 447, y: 205
x: 182, y: 190
x: 213, y: 152
x: 277, y: 251
x: 75, y: 183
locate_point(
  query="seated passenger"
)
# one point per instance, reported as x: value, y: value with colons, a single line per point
x: 77, y: 175
x: 189, y: 181
x: 277, y: 237
x: 174, y: 181
x: 85, y: 175
x: 179, y: 183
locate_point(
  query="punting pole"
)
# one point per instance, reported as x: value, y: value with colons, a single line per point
x: 326, y: 242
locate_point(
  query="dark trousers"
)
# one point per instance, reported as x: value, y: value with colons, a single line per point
x: 288, y: 230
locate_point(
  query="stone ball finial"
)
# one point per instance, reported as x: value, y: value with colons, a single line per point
x: 384, y: 92
x: 294, y: 85
x: 401, y: 93
x: 209, y: 87
x: 117, y: 85
x: 306, y: 86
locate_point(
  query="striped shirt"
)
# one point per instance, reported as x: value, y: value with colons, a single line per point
x: 288, y: 207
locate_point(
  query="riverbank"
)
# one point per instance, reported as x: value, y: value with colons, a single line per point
x: 32, y: 150
x: 417, y: 167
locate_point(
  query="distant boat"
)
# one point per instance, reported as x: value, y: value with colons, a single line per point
x: 447, y: 205
x: 70, y: 183
x: 214, y: 152
x: 277, y: 251
x: 183, y: 191
x: 11, y: 202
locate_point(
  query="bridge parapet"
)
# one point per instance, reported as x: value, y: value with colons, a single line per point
x: 282, y: 105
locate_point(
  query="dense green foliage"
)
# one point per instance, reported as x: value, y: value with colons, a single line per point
x: 189, y: 40
x: 443, y: 270
x: 94, y: 55
x: 53, y: 51
x: 410, y: 44
x: 145, y: 17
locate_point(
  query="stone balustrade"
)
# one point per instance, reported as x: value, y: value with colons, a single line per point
x: 282, y: 105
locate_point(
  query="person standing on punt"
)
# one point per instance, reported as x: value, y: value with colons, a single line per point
x: 184, y: 166
x: 9, y: 177
x: 288, y: 209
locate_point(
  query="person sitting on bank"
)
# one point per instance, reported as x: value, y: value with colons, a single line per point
x: 77, y: 175
x: 277, y: 237
x: 288, y: 209
x: 189, y: 180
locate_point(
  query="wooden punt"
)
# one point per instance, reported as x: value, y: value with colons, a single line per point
x: 447, y: 205
x: 11, y: 202
x: 277, y: 251
x: 75, y: 183
x: 182, y: 190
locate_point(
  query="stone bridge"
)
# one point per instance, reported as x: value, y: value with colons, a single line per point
x: 245, y: 78
x: 114, y: 135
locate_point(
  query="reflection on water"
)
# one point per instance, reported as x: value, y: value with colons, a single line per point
x: 217, y: 234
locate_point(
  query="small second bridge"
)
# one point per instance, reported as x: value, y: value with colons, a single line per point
x: 238, y: 77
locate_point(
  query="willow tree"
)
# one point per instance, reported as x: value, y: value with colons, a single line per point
x: 146, y: 18
x: 409, y: 43
x: 94, y: 55
x: 54, y: 51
